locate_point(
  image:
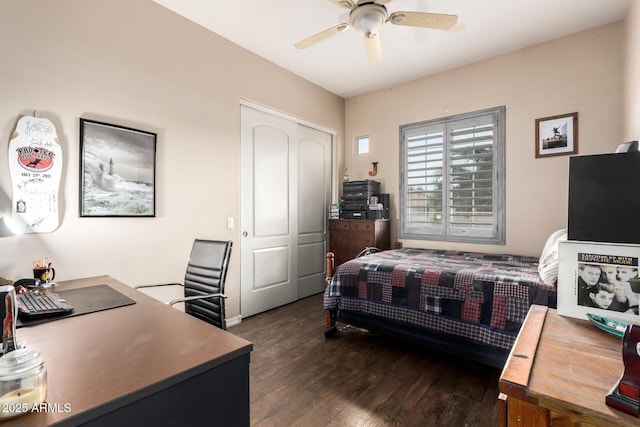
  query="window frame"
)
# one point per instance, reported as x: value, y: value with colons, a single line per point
x: 495, y: 234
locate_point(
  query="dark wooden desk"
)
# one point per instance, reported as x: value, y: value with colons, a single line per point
x: 143, y: 364
x: 559, y: 372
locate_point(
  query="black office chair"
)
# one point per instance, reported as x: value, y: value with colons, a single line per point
x: 204, y: 281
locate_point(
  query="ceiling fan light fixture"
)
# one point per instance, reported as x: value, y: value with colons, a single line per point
x: 368, y: 18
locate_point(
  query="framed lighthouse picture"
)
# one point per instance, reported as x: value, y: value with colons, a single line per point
x: 117, y: 171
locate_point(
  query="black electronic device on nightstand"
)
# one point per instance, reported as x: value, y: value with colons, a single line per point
x: 603, y: 198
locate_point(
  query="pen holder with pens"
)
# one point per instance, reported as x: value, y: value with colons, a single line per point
x: 44, y: 272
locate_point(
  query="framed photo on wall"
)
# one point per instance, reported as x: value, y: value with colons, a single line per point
x: 557, y: 135
x: 117, y: 171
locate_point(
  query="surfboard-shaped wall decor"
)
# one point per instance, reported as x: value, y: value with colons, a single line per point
x: 35, y: 166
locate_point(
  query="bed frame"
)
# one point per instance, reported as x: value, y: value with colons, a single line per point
x: 438, y: 341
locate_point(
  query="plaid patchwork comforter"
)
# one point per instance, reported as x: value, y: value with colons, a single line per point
x: 482, y: 298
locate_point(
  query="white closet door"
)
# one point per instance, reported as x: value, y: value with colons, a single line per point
x: 286, y: 170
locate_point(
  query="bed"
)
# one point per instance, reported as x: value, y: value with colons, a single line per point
x: 469, y: 304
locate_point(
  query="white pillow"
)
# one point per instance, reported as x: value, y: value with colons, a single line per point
x: 548, y: 264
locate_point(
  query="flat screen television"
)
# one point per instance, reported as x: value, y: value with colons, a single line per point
x: 604, y: 198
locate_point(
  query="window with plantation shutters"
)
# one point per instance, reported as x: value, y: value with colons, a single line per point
x: 452, y: 178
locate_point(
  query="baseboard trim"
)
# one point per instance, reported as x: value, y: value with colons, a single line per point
x: 232, y: 321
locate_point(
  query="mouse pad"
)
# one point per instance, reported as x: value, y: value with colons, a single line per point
x: 84, y: 301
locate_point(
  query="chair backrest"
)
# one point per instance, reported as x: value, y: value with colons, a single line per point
x: 206, y: 274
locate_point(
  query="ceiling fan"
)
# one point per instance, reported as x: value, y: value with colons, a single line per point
x: 368, y: 16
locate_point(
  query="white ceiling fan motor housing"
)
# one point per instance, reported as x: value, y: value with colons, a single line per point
x: 368, y: 18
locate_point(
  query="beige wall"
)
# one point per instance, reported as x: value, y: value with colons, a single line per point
x: 631, y: 95
x: 581, y: 72
x: 137, y: 64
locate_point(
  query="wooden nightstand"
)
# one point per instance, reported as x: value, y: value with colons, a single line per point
x: 348, y: 237
x: 559, y: 372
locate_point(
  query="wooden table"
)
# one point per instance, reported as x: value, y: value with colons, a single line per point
x: 142, y: 364
x: 559, y: 372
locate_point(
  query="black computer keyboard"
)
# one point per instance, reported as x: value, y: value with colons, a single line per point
x: 41, y: 304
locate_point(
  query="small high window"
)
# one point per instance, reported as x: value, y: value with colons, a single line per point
x: 362, y: 145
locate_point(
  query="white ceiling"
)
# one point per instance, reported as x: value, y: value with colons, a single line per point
x: 485, y: 28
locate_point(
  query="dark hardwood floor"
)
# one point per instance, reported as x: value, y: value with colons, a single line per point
x: 300, y: 378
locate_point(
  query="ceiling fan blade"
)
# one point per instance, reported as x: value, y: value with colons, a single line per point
x: 373, y: 48
x: 437, y: 21
x: 323, y: 35
x: 382, y: 1
x: 347, y: 4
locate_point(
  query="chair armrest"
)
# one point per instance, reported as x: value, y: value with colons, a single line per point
x: 196, y: 297
x: 160, y: 284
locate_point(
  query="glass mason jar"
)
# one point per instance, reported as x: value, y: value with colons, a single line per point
x: 23, y: 382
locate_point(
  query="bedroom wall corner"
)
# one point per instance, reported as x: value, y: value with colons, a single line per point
x: 580, y: 72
